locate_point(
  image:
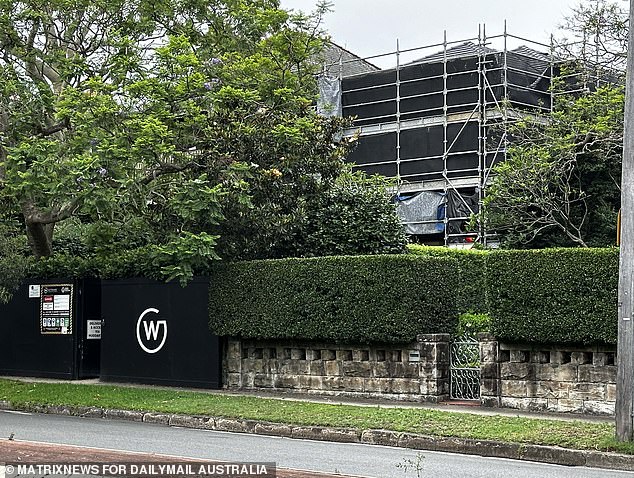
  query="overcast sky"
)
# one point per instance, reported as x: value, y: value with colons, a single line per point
x: 371, y: 27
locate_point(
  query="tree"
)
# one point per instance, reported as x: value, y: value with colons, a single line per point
x: 188, y: 126
x: 47, y: 52
x: 169, y: 111
x: 532, y: 195
x: 560, y: 184
x: 595, y: 34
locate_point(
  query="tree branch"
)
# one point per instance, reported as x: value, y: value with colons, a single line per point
x: 168, y: 168
x: 33, y: 215
x: 56, y: 128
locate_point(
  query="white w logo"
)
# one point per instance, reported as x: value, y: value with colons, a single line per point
x: 151, y: 331
x: 152, y: 328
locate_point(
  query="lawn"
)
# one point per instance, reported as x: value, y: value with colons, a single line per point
x: 575, y: 434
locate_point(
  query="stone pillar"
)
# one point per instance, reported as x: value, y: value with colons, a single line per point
x: 489, y: 370
x: 434, y: 367
x: 233, y: 363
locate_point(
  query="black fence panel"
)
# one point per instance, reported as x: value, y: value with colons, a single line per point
x: 50, y: 328
x: 158, y: 333
x: 89, y: 328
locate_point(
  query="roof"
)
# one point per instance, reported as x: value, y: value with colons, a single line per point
x: 340, y: 62
x: 527, y: 59
x: 521, y: 58
x: 464, y: 50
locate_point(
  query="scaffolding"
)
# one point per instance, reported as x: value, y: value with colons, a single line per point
x: 439, y: 123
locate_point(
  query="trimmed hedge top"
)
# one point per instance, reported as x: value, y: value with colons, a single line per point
x: 554, y: 295
x: 566, y: 296
x: 389, y: 298
x: 472, y: 264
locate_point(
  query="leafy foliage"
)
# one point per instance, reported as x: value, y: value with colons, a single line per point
x: 389, y: 298
x: 168, y: 119
x: 561, y: 182
x: 470, y: 324
x: 566, y: 296
x: 13, y: 260
x: 354, y: 217
x: 172, y: 125
x: 470, y: 273
x: 554, y: 296
x: 180, y: 259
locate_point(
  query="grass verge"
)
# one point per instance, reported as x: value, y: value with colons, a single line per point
x: 576, y: 434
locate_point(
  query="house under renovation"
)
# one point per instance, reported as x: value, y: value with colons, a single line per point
x: 437, y: 122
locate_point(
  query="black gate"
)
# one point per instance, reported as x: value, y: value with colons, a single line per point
x: 50, y: 328
x: 158, y: 333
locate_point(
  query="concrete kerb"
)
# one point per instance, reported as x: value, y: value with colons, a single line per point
x: 486, y: 448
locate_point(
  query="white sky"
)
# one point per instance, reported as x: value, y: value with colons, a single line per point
x: 371, y: 27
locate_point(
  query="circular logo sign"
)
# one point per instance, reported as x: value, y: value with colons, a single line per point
x: 151, y: 330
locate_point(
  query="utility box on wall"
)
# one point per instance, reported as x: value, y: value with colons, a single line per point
x: 50, y: 328
x: 158, y: 333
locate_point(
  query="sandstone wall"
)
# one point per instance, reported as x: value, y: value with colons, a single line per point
x: 523, y: 377
x: 557, y: 379
x: 416, y: 371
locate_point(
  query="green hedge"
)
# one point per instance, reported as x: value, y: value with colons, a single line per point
x: 389, y: 298
x: 139, y: 262
x: 62, y: 265
x: 554, y: 295
x: 541, y: 296
x: 566, y: 296
x: 471, y: 272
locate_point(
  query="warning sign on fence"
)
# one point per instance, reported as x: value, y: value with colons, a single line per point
x: 56, y: 309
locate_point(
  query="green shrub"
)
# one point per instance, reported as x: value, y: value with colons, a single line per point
x: 181, y: 259
x: 541, y: 296
x: 554, y: 295
x: 566, y: 296
x: 471, y: 271
x: 349, y: 215
x: 117, y: 266
x: 12, y: 272
x: 470, y: 324
x: 354, y: 217
x: 389, y: 298
x: 13, y: 260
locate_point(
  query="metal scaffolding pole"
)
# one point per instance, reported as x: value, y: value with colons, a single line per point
x: 552, y: 72
x: 398, y: 114
x: 506, y: 99
x: 482, y: 80
x: 444, y: 142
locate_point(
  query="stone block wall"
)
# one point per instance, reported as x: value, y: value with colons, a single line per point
x: 523, y: 377
x: 557, y: 379
x: 418, y: 371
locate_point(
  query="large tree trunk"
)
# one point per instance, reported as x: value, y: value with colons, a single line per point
x: 40, y: 224
x: 40, y: 238
x: 38, y: 232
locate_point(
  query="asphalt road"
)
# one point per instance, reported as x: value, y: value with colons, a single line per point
x: 348, y: 459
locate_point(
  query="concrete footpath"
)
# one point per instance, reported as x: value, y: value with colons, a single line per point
x: 486, y: 448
